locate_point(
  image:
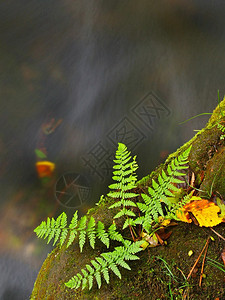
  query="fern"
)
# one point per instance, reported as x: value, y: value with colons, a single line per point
x: 156, y: 203
x: 125, y: 178
x: 59, y: 230
x: 105, y: 262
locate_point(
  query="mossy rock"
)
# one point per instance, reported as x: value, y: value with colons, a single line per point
x: 160, y: 273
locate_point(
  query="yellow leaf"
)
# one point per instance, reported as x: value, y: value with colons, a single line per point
x: 204, y: 211
x: 183, y: 215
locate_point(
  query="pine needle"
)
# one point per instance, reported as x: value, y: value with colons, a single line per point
x: 203, y: 263
x: 219, y: 235
x: 197, y: 260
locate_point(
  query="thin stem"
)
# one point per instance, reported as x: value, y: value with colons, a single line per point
x: 203, y: 263
x: 195, y: 117
x: 197, y: 259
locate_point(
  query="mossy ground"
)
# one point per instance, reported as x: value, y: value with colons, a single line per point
x: 149, y: 278
x: 160, y: 272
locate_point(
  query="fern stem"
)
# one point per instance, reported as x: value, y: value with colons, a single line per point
x: 132, y: 232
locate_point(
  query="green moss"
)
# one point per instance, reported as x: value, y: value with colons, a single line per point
x: 215, y: 182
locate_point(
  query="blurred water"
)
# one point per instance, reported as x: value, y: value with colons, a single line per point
x: 108, y: 71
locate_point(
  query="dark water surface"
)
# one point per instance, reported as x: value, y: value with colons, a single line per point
x: 77, y: 77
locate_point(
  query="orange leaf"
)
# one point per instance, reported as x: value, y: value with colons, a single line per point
x: 45, y: 168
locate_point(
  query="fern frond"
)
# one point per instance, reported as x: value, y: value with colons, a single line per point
x: 124, y: 212
x: 91, y: 232
x: 129, y: 222
x: 81, y: 229
x: 102, y: 234
x: 105, y: 262
x: 126, y: 179
x: 159, y: 191
x: 72, y: 228
x: 85, y: 229
x: 114, y: 234
x: 53, y: 229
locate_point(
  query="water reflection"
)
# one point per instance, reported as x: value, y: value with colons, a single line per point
x: 73, y: 78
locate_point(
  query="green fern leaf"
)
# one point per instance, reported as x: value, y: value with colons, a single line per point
x: 82, y: 235
x: 129, y: 222
x: 123, y: 264
x: 115, y: 270
x: 114, y: 234
x: 126, y: 179
x: 116, y: 204
x: 74, y: 221
x: 63, y: 236
x: 90, y: 282
x: 72, y: 236
x: 102, y: 234
x: 98, y: 279
x: 91, y: 232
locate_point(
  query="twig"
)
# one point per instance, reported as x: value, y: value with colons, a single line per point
x: 219, y: 235
x: 203, y: 263
x: 197, y: 259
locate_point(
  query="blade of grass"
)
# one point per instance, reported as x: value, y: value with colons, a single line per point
x: 215, y: 264
x: 195, y: 117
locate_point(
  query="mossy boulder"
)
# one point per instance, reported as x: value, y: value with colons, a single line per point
x: 161, y: 272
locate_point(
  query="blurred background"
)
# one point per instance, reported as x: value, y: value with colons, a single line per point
x: 77, y: 77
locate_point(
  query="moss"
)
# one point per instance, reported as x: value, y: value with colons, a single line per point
x: 215, y: 182
x: 151, y: 277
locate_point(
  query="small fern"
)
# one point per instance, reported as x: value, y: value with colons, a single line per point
x: 125, y: 178
x: 105, y: 262
x: 156, y: 203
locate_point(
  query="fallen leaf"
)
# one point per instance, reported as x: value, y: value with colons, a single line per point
x: 152, y: 240
x: 202, y: 211
x: 205, y: 212
x: 183, y: 215
x: 45, y: 168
